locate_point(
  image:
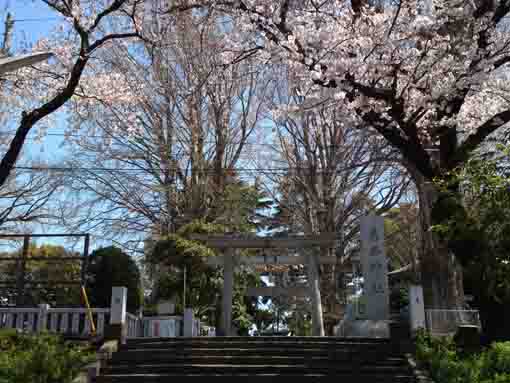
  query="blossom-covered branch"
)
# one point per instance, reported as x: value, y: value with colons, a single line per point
x: 87, y: 46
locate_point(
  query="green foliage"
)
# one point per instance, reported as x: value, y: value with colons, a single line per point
x: 475, y: 222
x: 496, y: 361
x: 477, y: 229
x: 203, y: 282
x: 447, y: 365
x: 201, y: 227
x: 7, y: 337
x: 50, y: 272
x: 178, y: 251
x: 244, y: 309
x: 237, y: 207
x: 39, y: 358
x: 300, y: 325
x: 203, y: 288
x: 109, y: 267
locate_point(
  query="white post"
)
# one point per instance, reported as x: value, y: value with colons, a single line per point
x: 42, y: 320
x: 118, y: 305
x: 117, y: 327
x: 188, y: 323
x: 416, y: 308
x: 228, y: 288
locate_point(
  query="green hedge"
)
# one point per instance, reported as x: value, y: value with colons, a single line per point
x: 42, y: 358
x: 447, y: 365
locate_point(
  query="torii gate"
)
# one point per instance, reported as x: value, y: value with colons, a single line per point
x: 228, y: 243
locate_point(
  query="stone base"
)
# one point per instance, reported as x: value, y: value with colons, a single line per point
x: 363, y: 328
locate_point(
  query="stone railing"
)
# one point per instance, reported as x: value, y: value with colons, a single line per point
x: 446, y: 322
x: 134, y: 326
x: 112, y: 323
x: 58, y: 320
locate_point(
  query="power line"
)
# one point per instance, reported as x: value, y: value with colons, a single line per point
x: 12, y: 133
x: 137, y: 170
x: 36, y: 19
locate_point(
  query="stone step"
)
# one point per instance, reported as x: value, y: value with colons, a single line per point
x: 267, y: 344
x: 259, y: 339
x: 272, y: 368
x: 297, y: 339
x: 357, y: 360
x: 333, y: 355
x: 315, y: 378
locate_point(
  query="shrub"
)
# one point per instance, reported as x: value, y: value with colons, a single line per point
x: 7, y: 337
x: 41, y: 358
x: 110, y: 266
x: 496, y: 361
x: 447, y: 365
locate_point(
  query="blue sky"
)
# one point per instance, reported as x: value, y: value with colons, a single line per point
x: 33, y: 20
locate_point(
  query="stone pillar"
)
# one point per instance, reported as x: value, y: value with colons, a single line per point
x: 228, y: 289
x: 42, y: 322
x: 375, y: 268
x: 416, y: 308
x: 188, y: 323
x: 117, y: 328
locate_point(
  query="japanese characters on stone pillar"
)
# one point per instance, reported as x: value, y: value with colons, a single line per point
x: 375, y: 268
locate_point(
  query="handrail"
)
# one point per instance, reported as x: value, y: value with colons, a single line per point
x: 159, y: 317
x: 19, y: 310
x: 89, y: 312
x: 58, y: 310
x: 79, y: 310
x: 461, y: 310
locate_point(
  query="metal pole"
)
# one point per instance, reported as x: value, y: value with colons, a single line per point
x: 20, y: 298
x: 184, y: 292
x: 85, y: 262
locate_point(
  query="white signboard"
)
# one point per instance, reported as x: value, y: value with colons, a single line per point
x: 375, y: 268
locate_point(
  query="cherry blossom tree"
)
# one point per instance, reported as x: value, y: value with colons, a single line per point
x: 36, y: 93
x: 166, y: 137
x: 429, y: 76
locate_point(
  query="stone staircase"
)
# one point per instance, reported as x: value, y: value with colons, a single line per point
x: 358, y: 360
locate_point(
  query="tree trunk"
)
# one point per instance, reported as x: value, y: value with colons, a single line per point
x: 440, y: 273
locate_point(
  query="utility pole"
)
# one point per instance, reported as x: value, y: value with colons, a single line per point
x: 20, y: 295
x: 8, y: 28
